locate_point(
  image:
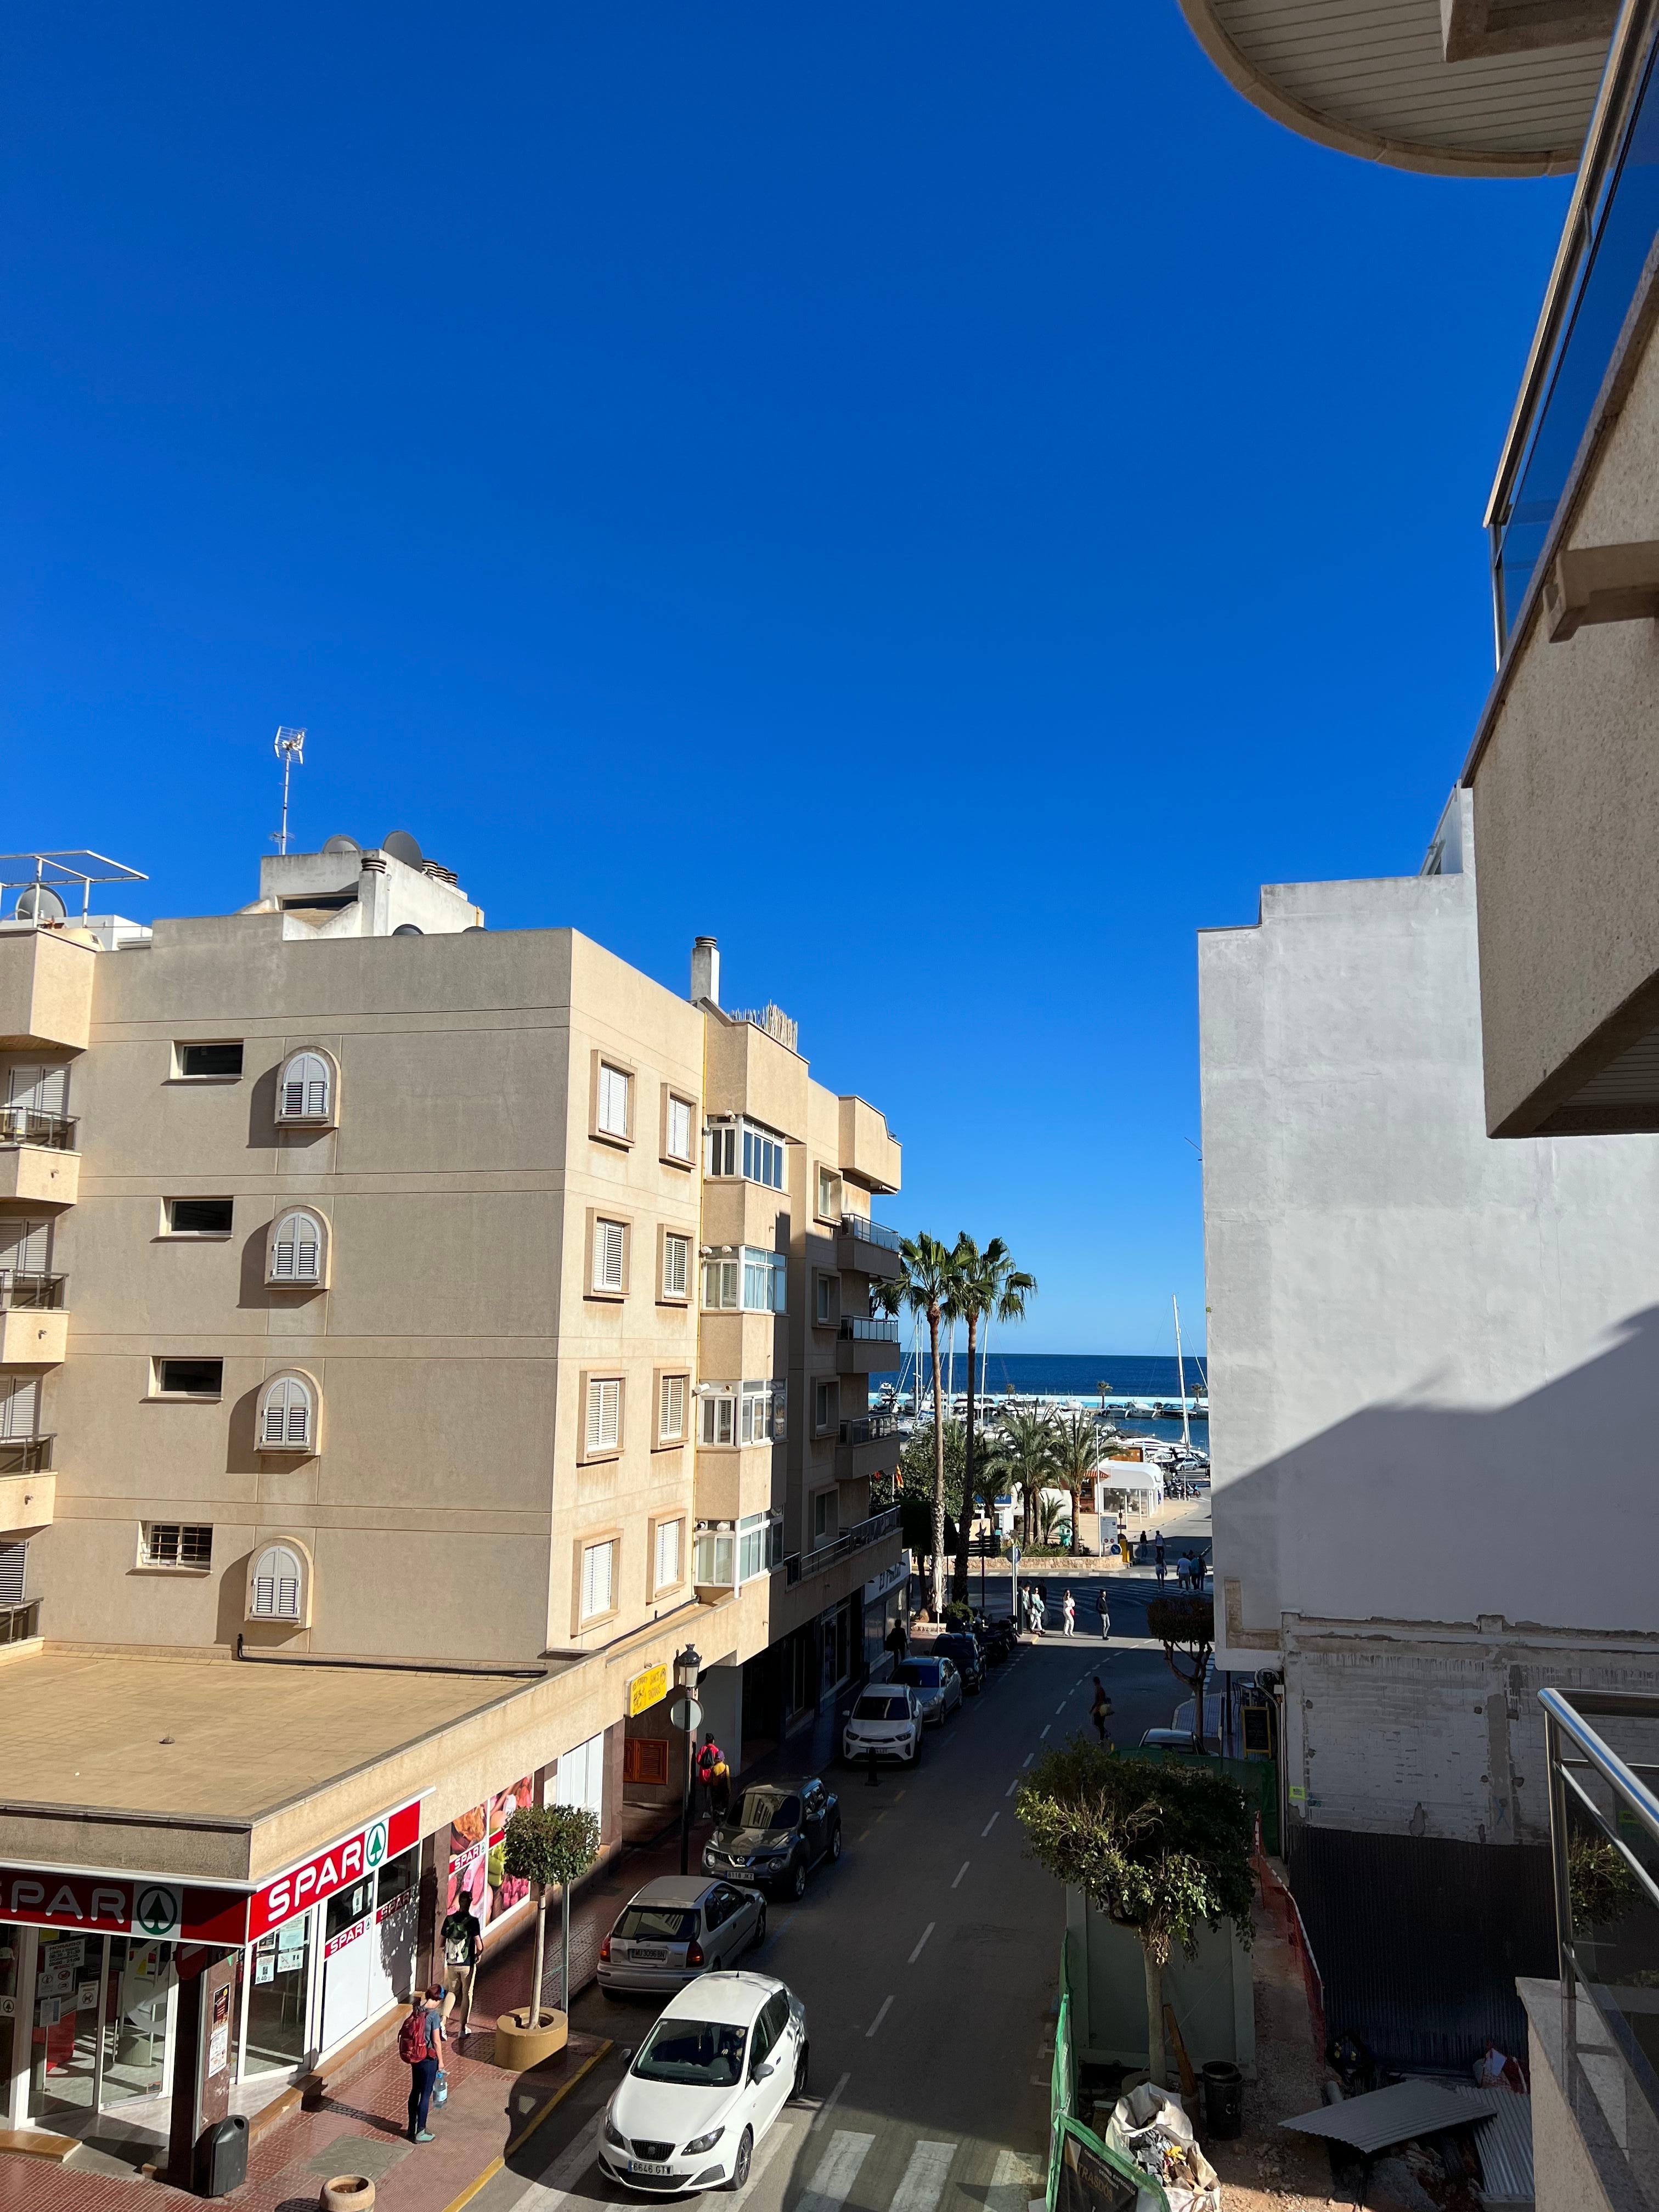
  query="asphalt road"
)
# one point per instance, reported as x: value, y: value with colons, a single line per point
x: 927, y: 1960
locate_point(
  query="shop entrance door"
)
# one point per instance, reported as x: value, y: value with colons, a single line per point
x: 396, y: 1924
x: 100, y: 2022
x: 347, y: 1945
x: 139, y: 1984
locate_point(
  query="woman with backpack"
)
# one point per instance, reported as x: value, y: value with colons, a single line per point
x: 419, y: 2045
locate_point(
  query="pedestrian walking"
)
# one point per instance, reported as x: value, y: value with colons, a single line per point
x: 420, y: 2040
x: 1105, y: 1616
x: 463, y: 1941
x: 1068, y: 1615
x: 898, y: 1642
x: 1100, y: 1710
x: 1201, y: 1561
x: 708, y: 1759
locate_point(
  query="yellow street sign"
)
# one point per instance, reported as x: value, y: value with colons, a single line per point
x: 647, y: 1689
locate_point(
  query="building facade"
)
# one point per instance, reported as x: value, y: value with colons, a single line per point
x: 391, y: 1300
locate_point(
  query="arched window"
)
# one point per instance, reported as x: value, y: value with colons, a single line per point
x: 287, y: 1415
x: 296, y: 1249
x: 277, y: 1585
x: 305, y: 1090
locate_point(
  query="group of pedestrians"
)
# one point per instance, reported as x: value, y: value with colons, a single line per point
x: 1033, y: 1610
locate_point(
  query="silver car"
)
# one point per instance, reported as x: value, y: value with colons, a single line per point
x: 937, y: 1684
x: 674, y: 1930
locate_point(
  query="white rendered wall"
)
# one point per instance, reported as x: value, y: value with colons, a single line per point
x: 1434, y: 1356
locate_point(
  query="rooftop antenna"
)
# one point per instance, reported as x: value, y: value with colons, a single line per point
x: 290, y: 748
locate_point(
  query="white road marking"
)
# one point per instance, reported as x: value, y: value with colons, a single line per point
x: 1012, y: 1786
x: 964, y: 1867
x: 1026, y: 1761
x: 838, y: 2169
x: 886, y: 2007
x: 920, y: 1941
x: 828, y: 2106
x: 924, y: 2177
x: 990, y: 1824
x: 557, y: 2184
x: 1046, y: 1725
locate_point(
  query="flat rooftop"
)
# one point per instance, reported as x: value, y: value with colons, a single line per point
x: 86, y: 1737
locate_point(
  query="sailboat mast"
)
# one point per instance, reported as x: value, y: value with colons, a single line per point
x: 1181, y: 1379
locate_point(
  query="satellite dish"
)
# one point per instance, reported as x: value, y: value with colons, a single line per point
x: 471, y: 927
x: 40, y: 902
x: 343, y: 845
x: 402, y: 847
x: 409, y: 929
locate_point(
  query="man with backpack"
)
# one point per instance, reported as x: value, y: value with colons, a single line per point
x: 420, y: 2040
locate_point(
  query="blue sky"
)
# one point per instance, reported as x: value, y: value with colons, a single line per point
x: 967, y: 441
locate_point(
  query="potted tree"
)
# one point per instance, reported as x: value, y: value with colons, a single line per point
x: 544, y: 1846
x: 1159, y: 1849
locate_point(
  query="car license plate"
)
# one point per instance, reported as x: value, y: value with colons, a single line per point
x: 639, y: 2165
x: 648, y: 1957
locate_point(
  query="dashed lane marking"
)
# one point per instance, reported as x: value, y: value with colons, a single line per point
x: 962, y: 1869
x: 921, y: 1943
x: 886, y: 2007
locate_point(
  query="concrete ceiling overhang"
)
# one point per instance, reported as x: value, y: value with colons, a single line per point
x: 1373, y: 77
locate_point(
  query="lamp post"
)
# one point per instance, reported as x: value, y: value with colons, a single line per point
x: 687, y: 1665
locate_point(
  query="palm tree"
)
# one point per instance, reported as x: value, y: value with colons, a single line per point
x: 989, y: 1286
x: 927, y: 1283
x: 1077, y: 1455
x: 1028, y: 1436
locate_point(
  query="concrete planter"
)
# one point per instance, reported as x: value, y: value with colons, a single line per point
x: 348, y: 2192
x: 518, y: 2045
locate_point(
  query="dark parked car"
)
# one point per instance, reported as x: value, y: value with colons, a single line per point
x: 964, y: 1649
x: 773, y: 1832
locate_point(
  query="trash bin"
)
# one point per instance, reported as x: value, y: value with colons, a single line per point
x: 1224, y: 2099
x: 222, y: 2157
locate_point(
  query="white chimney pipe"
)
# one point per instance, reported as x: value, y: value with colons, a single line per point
x: 706, y: 972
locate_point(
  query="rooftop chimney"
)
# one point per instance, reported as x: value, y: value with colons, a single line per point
x: 705, y: 972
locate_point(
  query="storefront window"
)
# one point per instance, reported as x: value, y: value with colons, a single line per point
x: 396, y: 1924
x: 276, y: 2002
x: 347, y: 1952
x: 64, y: 2035
x: 99, y: 2023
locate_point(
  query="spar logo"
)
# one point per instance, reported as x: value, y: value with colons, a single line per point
x: 341, y: 1863
x: 158, y: 1910
x: 374, y: 1846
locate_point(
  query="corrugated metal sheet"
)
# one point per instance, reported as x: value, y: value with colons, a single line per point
x: 1504, y: 2146
x: 1395, y: 2115
x: 1418, y: 1940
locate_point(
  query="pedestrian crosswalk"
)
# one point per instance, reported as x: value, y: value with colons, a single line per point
x: 852, y: 2171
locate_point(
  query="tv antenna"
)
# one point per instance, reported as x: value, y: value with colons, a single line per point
x: 290, y: 750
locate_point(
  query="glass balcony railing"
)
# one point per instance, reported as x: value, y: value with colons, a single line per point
x: 19, y: 1622
x: 866, y: 1231
x: 1611, y: 227
x: 24, y: 1454
x: 874, y: 1331
x: 27, y: 1125
x: 868, y: 1428
x: 1604, y: 1836
x: 17, y: 1289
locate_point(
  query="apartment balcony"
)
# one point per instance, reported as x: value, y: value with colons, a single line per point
x: 18, y: 1623
x: 33, y: 1326
x: 46, y: 992
x: 866, y: 1347
x: 865, y: 1446
x: 28, y: 1491
x: 801, y: 1565
x: 39, y: 1164
x: 869, y: 1156
x: 1595, y: 2031
x: 863, y: 1247
x: 733, y: 1481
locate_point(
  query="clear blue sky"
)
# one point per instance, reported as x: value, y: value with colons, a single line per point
x: 952, y: 494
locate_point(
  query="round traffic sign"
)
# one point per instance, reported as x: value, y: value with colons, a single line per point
x: 1013, y: 1555
x: 685, y: 1713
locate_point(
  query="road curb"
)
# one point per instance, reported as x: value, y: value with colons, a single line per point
x: 515, y: 2142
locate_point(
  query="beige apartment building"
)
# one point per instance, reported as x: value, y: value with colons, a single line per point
x: 414, y: 1339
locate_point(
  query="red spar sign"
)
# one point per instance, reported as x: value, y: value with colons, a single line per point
x: 345, y: 1862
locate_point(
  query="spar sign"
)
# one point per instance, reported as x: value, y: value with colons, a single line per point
x: 157, y: 1905
x: 323, y: 1872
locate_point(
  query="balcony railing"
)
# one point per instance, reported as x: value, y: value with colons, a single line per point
x: 17, y: 1289
x: 873, y: 1331
x: 869, y: 1428
x: 856, y: 1538
x: 871, y: 1232
x: 1609, y: 231
x: 25, y: 1124
x: 24, y: 1454
x: 18, y: 1622
x: 1604, y: 1837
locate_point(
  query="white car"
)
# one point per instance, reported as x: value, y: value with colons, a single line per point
x: 886, y: 1719
x: 723, y: 2060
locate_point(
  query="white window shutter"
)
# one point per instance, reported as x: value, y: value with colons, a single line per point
x: 20, y: 1405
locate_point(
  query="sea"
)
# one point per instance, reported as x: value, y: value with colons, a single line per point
x: 1085, y: 1378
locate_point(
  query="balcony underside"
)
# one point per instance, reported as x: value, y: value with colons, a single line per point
x: 28, y: 1502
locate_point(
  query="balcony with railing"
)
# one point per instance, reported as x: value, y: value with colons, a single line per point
x: 1603, y: 2041
x: 38, y: 1164
x: 857, y: 1538
x: 866, y: 1346
x: 34, y: 1325
x: 26, y: 1455
x: 868, y: 1428
x: 863, y: 1247
x: 20, y: 1622
x: 866, y: 1445
x: 28, y: 1489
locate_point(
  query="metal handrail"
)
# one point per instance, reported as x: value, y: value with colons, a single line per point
x: 17, y: 1289
x: 872, y: 1331
x: 856, y: 1538
x: 28, y: 1125
x: 1606, y: 1760
x: 24, y: 1454
x: 860, y: 1226
x: 18, y: 1622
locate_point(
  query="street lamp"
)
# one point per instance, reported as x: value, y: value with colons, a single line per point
x: 687, y: 1665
